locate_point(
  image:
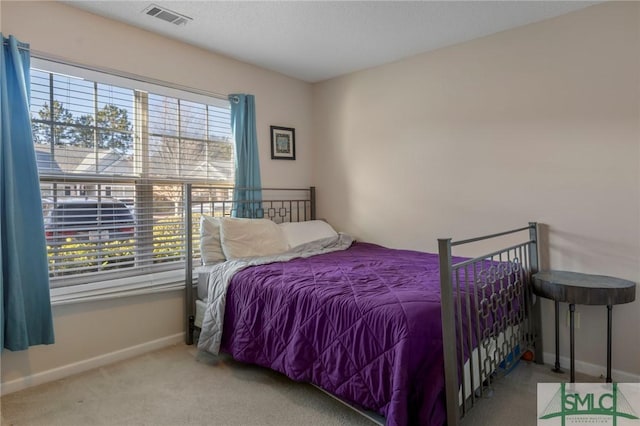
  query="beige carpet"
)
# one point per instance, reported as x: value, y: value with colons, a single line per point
x: 178, y: 386
x: 514, y: 397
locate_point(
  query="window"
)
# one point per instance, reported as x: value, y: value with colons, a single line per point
x: 113, y: 154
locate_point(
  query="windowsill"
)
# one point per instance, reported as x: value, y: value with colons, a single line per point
x: 158, y: 282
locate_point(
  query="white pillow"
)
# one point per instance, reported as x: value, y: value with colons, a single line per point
x: 297, y: 233
x: 251, y: 238
x: 210, y: 248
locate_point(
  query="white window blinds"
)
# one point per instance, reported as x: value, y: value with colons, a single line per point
x: 113, y: 154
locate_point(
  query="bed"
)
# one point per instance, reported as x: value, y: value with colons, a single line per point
x: 416, y: 337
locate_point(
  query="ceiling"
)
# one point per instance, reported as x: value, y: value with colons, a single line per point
x: 317, y: 40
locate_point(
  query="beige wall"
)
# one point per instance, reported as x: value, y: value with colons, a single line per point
x: 537, y: 123
x: 89, y: 330
x: 90, y: 334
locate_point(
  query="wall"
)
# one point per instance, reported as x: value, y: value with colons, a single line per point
x: 537, y: 123
x: 90, y: 334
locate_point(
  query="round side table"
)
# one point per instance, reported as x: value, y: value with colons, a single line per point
x: 576, y: 288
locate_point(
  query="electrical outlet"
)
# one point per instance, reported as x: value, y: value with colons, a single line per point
x: 576, y: 319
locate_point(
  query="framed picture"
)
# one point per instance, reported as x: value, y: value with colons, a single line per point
x: 283, y: 143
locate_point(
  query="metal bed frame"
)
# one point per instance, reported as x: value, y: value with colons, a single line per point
x: 277, y: 204
x: 488, y: 306
x: 501, y: 280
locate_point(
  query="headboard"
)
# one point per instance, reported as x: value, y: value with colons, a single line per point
x: 278, y: 204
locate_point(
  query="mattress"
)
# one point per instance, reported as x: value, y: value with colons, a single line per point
x: 201, y: 305
x: 202, y: 274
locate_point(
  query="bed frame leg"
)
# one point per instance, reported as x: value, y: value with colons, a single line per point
x: 191, y: 329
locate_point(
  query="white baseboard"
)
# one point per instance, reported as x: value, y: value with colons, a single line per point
x: 88, y: 364
x: 595, y: 370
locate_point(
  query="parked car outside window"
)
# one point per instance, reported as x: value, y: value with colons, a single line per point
x: 88, y: 220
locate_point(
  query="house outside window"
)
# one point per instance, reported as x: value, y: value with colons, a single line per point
x: 113, y: 155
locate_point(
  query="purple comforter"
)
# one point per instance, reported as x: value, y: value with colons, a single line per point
x: 363, y: 323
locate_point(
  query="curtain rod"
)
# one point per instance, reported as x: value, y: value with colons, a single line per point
x: 21, y: 46
x: 123, y: 74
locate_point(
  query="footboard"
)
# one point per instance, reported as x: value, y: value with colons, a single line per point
x: 489, y: 316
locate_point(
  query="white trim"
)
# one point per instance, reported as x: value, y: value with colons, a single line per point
x: 88, y: 364
x: 147, y: 283
x: 595, y: 370
x: 48, y: 63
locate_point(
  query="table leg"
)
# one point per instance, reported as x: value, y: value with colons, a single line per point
x: 609, y: 317
x: 572, y: 309
x: 557, y: 312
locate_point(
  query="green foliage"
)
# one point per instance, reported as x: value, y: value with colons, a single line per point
x: 167, y: 246
x: 83, y: 135
x: 117, y: 129
x: 111, y: 128
x: 61, y: 117
x: 86, y: 255
x: 168, y: 239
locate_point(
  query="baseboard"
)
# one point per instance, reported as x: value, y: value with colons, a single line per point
x: 88, y: 364
x: 595, y: 370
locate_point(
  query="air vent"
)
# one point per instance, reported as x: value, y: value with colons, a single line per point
x: 167, y: 15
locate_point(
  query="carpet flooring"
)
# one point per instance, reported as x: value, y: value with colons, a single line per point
x: 180, y: 386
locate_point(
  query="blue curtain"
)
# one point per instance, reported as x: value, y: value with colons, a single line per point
x: 247, y: 194
x: 24, y: 283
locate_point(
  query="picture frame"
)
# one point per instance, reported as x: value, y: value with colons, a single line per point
x: 283, y: 143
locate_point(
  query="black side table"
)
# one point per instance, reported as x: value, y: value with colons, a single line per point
x: 582, y: 289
